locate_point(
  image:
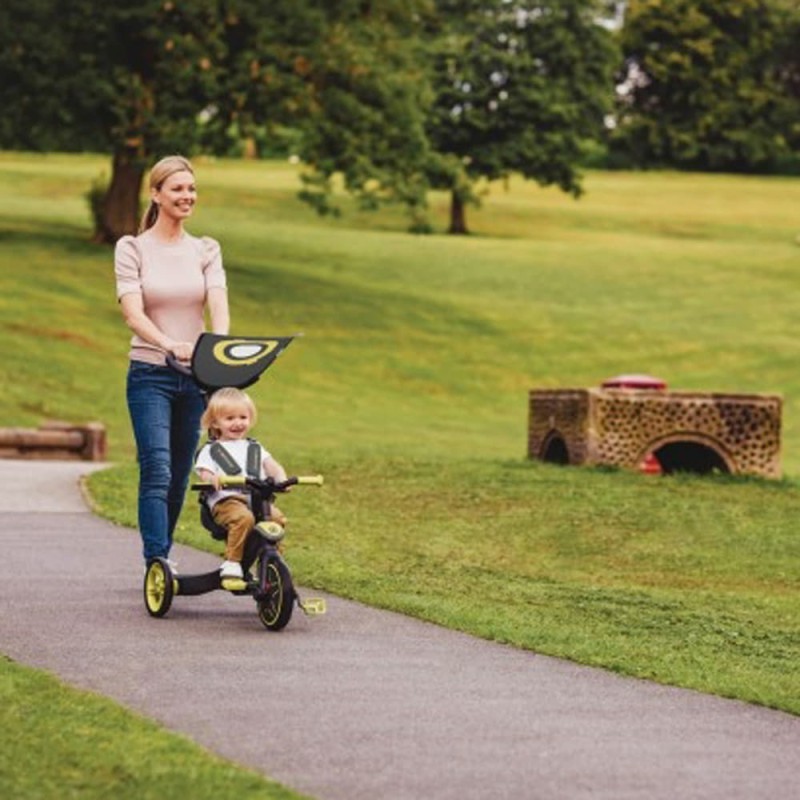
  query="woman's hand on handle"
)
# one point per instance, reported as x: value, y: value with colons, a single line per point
x: 181, y: 350
x: 179, y: 366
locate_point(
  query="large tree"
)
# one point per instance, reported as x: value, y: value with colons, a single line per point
x: 365, y: 93
x: 127, y: 79
x: 141, y: 80
x: 787, y: 59
x: 706, y: 85
x: 519, y: 85
x: 346, y: 78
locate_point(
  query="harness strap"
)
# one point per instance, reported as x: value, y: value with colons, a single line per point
x: 253, y: 459
x: 223, y: 459
x: 228, y: 465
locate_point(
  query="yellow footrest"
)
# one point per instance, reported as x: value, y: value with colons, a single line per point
x: 314, y: 606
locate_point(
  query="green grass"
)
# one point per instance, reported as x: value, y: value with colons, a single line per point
x: 68, y: 743
x: 688, y: 581
x: 409, y: 391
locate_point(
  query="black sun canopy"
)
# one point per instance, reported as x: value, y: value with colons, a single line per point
x: 238, y: 361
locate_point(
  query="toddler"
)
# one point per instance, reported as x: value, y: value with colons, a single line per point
x: 229, y: 416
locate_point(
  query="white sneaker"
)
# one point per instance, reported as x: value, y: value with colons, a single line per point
x: 231, y: 569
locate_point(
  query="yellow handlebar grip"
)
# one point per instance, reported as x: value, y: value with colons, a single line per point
x: 232, y: 480
x: 311, y: 480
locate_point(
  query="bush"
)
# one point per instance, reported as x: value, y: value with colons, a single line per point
x: 95, y: 197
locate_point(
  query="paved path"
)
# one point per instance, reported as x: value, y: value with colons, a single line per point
x: 359, y: 703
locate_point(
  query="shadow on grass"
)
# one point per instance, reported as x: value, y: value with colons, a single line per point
x: 15, y: 233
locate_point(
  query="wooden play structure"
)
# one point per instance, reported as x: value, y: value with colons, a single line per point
x: 634, y: 421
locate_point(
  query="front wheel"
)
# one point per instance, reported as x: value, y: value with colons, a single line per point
x: 159, y: 587
x: 276, y: 599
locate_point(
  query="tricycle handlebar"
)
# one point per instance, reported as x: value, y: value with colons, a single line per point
x: 268, y: 484
x: 310, y: 480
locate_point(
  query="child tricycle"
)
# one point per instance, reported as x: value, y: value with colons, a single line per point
x: 226, y: 361
x: 267, y: 578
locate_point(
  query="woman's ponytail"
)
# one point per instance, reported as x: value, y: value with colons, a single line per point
x: 149, y: 217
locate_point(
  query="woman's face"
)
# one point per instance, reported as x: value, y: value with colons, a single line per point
x: 177, y: 195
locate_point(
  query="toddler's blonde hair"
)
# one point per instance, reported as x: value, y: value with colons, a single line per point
x: 223, y: 400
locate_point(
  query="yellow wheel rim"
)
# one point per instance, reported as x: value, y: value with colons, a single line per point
x: 271, y: 609
x: 155, y: 587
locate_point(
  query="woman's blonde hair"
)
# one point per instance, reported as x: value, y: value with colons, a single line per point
x: 223, y: 400
x: 158, y: 174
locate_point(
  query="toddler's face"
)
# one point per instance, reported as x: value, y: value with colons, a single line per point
x: 233, y: 423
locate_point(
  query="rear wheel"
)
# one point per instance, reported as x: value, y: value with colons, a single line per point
x: 158, y: 587
x: 276, y: 601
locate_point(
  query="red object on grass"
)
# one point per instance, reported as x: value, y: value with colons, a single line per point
x: 634, y: 382
x: 650, y: 465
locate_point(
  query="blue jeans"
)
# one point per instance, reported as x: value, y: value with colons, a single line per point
x: 165, y: 409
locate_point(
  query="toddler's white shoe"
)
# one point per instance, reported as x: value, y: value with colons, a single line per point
x: 231, y: 569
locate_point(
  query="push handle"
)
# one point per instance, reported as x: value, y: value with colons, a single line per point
x: 179, y: 366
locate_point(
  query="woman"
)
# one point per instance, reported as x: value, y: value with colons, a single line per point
x: 166, y: 279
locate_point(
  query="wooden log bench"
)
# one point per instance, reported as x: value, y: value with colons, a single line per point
x: 55, y: 440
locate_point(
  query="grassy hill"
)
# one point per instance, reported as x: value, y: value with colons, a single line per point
x: 432, y: 342
x: 409, y: 391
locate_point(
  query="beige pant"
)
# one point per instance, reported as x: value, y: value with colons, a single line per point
x: 235, y: 516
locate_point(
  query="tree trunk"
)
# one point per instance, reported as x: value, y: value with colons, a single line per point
x: 120, y: 212
x: 458, y: 214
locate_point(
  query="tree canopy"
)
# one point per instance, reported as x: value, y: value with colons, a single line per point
x: 398, y: 96
x: 708, y: 85
x: 519, y: 86
x: 159, y: 76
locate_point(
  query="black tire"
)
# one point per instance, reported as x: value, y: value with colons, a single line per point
x: 159, y: 587
x: 276, y: 600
